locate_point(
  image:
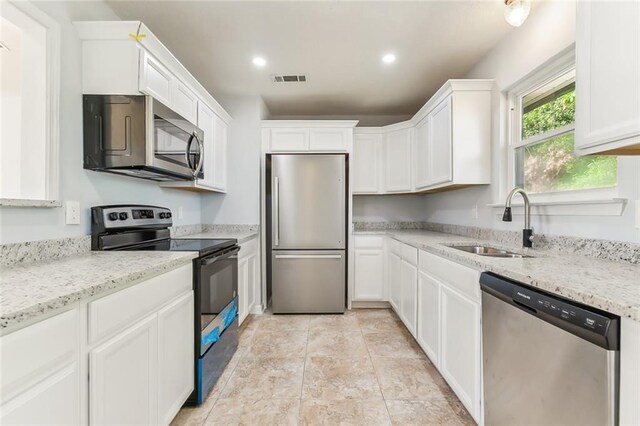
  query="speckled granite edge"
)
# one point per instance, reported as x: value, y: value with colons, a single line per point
x: 231, y: 228
x: 619, y: 251
x: 182, y: 230
x: 57, y: 283
x: 38, y: 251
x: 14, y: 202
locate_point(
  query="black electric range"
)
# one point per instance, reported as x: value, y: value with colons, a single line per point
x: 215, y: 280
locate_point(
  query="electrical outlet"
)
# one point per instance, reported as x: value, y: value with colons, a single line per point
x: 72, y: 213
x: 474, y: 211
x: 180, y: 212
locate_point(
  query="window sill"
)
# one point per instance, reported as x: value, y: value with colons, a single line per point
x: 14, y: 202
x: 599, y: 207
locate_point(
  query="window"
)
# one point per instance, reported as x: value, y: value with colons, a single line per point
x: 543, y: 139
x: 29, y: 62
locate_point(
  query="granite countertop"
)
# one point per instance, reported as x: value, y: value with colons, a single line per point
x: 241, y: 235
x: 30, y: 290
x: 608, y: 285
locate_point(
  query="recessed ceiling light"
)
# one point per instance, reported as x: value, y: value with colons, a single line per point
x: 259, y: 61
x: 389, y: 58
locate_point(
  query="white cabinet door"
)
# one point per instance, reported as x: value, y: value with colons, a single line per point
x: 220, y: 155
x: 460, y: 362
x: 408, y: 304
x: 155, y: 79
x: 184, y: 101
x: 289, y: 139
x: 329, y: 139
x: 440, y: 169
x: 39, y: 372
x: 397, y: 148
x: 369, y: 275
x: 421, y: 158
x: 175, y: 357
x: 607, y: 74
x: 123, y: 377
x: 428, y: 327
x: 252, y: 281
x: 243, y: 289
x: 394, y: 280
x: 366, y: 164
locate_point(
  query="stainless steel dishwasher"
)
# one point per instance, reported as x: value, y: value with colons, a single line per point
x: 547, y: 361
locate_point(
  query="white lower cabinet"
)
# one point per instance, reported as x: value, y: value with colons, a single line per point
x: 175, y: 357
x: 369, y: 269
x: 428, y: 333
x: 248, y: 279
x: 408, y: 304
x: 123, y: 377
x: 460, y: 360
x: 121, y: 359
x: 394, y: 280
x: 40, y: 372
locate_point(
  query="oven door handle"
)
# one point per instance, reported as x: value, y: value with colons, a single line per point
x: 218, y: 256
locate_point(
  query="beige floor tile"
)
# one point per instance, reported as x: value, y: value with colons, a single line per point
x: 291, y: 344
x: 437, y: 411
x: 284, y: 322
x: 344, y: 413
x: 336, y: 343
x: 228, y: 412
x: 195, y: 416
x: 265, y: 378
x: 335, y: 322
x: 384, y: 323
x: 409, y: 378
x: 392, y: 344
x: 340, y: 378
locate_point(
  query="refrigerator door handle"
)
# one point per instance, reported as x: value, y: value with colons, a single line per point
x: 308, y: 256
x: 276, y: 212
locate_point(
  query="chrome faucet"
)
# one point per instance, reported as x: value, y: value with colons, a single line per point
x: 527, y: 232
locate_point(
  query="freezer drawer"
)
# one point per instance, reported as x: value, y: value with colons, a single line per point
x: 310, y: 281
x: 308, y: 202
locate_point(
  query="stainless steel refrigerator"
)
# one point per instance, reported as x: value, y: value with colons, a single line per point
x: 307, y: 209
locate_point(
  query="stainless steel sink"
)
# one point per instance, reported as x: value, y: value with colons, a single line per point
x: 490, y: 251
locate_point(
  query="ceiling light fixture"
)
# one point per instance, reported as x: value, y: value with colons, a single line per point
x: 259, y: 61
x: 389, y: 58
x: 516, y: 11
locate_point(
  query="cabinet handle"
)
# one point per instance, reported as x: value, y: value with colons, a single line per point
x: 276, y: 211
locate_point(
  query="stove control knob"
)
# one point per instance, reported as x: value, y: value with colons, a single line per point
x: 168, y: 215
x: 162, y: 215
x: 123, y: 215
x: 113, y: 216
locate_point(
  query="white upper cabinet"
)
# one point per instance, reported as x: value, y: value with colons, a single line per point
x: 184, y: 101
x: 397, y: 152
x: 608, y: 77
x: 439, y: 144
x: 155, y: 79
x: 307, y: 135
x: 421, y: 157
x: 329, y: 139
x: 366, y: 163
x: 220, y: 141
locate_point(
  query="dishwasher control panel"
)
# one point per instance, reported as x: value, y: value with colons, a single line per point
x: 575, y: 315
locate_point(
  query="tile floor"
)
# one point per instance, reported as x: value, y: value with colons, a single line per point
x: 360, y: 368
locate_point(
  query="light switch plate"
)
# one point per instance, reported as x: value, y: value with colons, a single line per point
x: 638, y: 214
x: 72, y: 212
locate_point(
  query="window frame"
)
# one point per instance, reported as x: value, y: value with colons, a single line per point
x: 552, y: 69
x: 52, y: 114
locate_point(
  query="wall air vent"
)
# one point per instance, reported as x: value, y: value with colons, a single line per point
x: 293, y: 78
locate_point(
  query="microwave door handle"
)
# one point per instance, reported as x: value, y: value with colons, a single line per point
x: 200, y: 157
x: 187, y: 152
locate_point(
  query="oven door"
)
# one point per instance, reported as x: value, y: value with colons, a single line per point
x: 176, y: 145
x: 216, y: 296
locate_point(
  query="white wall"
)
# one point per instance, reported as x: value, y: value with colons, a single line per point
x: 90, y: 188
x: 388, y: 208
x: 241, y: 204
x: 549, y: 30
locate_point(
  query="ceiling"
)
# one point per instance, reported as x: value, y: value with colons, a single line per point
x: 337, y: 44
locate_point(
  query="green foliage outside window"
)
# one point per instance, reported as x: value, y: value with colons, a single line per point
x: 551, y: 164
